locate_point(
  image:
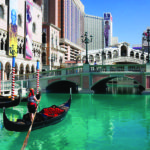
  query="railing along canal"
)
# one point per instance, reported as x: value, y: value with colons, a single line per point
x: 79, y: 70
x: 118, y: 68
x: 51, y: 73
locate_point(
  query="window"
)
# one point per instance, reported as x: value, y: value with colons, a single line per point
x: 33, y: 27
x: 19, y: 20
x: 44, y: 37
x: 1, y: 12
x: 56, y: 41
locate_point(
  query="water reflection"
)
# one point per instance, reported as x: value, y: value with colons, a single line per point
x: 94, y: 121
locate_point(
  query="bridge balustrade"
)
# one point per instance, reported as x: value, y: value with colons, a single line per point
x: 74, y: 70
x: 118, y: 68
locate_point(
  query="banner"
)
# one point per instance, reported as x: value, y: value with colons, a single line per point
x: 107, y: 29
x: 13, y: 11
x: 29, y: 7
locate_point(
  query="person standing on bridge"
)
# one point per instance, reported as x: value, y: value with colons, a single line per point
x: 95, y: 66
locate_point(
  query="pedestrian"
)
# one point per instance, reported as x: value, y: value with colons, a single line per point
x: 95, y: 66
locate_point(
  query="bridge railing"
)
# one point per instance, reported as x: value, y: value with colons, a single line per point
x: 118, y: 68
x: 124, y: 58
x: 79, y: 69
x: 74, y: 70
x: 64, y: 71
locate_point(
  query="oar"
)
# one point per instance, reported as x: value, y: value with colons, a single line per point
x: 28, y: 134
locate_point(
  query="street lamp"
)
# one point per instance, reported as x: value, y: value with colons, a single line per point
x: 60, y: 61
x: 143, y: 53
x: 103, y: 57
x: 86, y: 40
x: 146, y: 36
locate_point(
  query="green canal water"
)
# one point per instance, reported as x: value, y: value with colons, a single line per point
x: 94, y: 122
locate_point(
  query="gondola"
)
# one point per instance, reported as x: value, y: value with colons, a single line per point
x: 41, y: 120
x: 6, y: 101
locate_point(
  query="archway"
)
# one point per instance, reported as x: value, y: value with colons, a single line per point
x: 137, y: 55
x: 123, y: 51
x: 62, y: 86
x: 21, y: 69
x: 91, y: 59
x: 44, y: 58
x: 7, y: 70
x: 32, y: 69
x: 97, y: 58
x: 16, y: 68
x: 27, y: 69
x: 84, y: 59
x: 117, y: 85
x: 115, y: 54
x: 109, y: 55
x: 131, y: 54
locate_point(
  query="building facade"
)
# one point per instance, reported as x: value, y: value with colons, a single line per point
x: 101, y: 30
x: 121, y: 53
x: 71, y: 22
x: 22, y: 64
x: 66, y: 17
x: 52, y: 53
x: 94, y: 26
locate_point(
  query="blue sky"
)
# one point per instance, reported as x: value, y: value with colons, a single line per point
x: 130, y: 17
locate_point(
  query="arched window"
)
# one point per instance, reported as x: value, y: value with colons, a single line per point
x: 43, y: 37
x: 32, y: 69
x: 19, y: 20
x: 84, y: 59
x: 44, y: 58
x: 97, y: 58
x: 115, y: 54
x: 1, y: 12
x: 132, y: 54
x: 109, y: 55
x: 34, y: 28
x: 52, y: 40
x: 91, y: 58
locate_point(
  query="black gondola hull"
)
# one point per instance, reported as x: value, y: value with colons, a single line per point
x: 21, y: 126
x: 7, y: 102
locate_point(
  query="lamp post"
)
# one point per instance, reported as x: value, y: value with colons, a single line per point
x: 143, y: 54
x: 146, y: 36
x: 52, y: 63
x: 86, y: 40
x: 102, y: 57
x: 60, y: 61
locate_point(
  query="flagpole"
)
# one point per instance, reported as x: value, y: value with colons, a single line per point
x: 37, y: 77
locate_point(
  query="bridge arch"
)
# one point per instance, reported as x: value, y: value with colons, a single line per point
x: 123, y: 51
x: 100, y: 87
x: 62, y: 86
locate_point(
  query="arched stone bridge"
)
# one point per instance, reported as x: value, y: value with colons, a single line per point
x: 86, y: 77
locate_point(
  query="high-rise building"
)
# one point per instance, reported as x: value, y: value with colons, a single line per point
x: 101, y: 30
x: 68, y: 16
x: 94, y: 26
x: 71, y: 22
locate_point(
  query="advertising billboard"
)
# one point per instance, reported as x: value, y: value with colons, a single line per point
x: 13, y: 11
x: 29, y: 8
x: 107, y: 29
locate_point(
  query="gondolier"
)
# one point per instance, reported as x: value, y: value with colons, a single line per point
x: 32, y: 106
